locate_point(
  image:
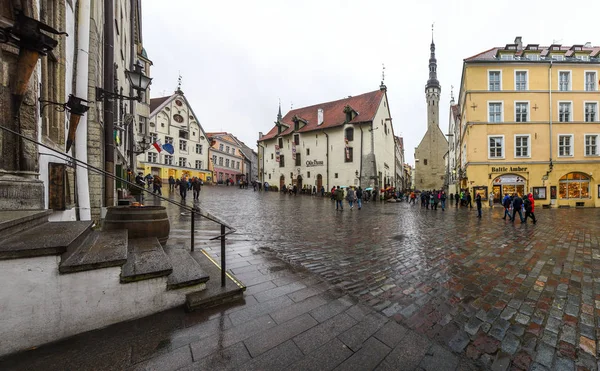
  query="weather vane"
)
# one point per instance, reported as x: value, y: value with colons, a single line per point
x: 179, y: 81
x: 451, y: 92
x: 382, y: 73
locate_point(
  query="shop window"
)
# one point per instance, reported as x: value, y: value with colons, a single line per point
x: 574, y: 186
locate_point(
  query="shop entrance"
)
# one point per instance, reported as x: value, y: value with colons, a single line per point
x: 281, y: 182
x: 508, y: 184
x: 319, y: 182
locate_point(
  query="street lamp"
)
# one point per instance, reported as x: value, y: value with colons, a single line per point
x: 138, y: 81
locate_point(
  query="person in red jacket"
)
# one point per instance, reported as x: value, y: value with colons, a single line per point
x: 529, y: 208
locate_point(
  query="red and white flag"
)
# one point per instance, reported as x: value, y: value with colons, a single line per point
x: 157, y: 145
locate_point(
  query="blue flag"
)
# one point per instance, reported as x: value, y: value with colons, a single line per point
x: 169, y: 148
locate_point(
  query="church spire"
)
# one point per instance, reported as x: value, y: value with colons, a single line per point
x: 433, y: 81
x: 279, y: 117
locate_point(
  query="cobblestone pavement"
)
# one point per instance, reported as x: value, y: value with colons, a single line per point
x: 516, y: 295
x: 391, y: 286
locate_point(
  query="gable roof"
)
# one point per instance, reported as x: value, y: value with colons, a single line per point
x: 365, y: 105
x: 156, y: 102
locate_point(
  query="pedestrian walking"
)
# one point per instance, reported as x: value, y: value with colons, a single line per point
x: 339, y: 198
x: 443, y: 200
x: 359, y: 196
x: 506, y: 203
x: 529, y: 208
x: 456, y: 199
x: 478, y: 204
x: 469, y: 199
x: 183, y: 188
x: 157, y: 182
x: 517, y: 204
x: 171, y: 184
x: 491, y: 199
x: 197, y: 186
x: 350, y: 196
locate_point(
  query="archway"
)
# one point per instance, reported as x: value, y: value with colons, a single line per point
x: 281, y: 182
x: 508, y: 184
x: 319, y: 182
x: 574, y: 186
x: 299, y: 182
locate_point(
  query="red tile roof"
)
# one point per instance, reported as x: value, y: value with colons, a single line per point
x: 490, y: 54
x: 156, y: 102
x: 365, y: 105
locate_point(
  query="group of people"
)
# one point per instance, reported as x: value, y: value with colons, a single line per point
x: 517, y: 205
x: 431, y: 199
x: 352, y: 195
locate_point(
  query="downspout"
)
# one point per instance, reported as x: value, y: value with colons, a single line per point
x: 327, y: 156
x: 550, y: 105
x: 108, y: 104
x: 81, y: 90
x: 132, y: 104
x: 361, y: 157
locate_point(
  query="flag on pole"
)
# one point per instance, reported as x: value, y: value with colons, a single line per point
x: 157, y: 145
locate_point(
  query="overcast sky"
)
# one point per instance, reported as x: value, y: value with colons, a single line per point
x: 238, y: 58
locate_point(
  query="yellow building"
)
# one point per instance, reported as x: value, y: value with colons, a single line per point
x: 528, y: 122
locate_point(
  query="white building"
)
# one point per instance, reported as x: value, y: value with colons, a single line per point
x: 172, y: 121
x: 453, y: 150
x: 340, y: 143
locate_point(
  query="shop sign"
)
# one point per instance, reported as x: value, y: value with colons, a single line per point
x: 509, y: 179
x: 312, y: 163
x: 504, y: 169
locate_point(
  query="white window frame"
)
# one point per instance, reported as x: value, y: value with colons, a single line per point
x: 183, y: 145
x: 570, y: 111
x: 532, y: 56
x: 570, y: 87
x: 585, y: 80
x: 226, y: 162
x: 528, y: 110
x: 168, y: 140
x: 168, y: 160
x: 199, y: 148
x: 153, y: 137
x: 503, y: 148
x: 597, y: 144
x: 152, y: 157
x: 184, y: 161
x: 488, y: 79
x: 596, y: 113
x: 501, y: 111
x: 528, y: 145
x: 572, y: 145
x: 526, y: 79
x: 198, y: 164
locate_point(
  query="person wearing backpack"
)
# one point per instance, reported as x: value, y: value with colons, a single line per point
x: 506, y: 204
x: 517, y: 204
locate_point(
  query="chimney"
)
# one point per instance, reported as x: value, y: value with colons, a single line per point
x: 319, y: 116
x: 260, y: 135
x: 588, y: 44
x: 519, y: 42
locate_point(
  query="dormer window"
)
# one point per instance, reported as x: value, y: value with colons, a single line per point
x: 350, y: 113
x: 296, y: 126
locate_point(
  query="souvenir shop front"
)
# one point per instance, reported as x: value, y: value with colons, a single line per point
x: 508, y: 184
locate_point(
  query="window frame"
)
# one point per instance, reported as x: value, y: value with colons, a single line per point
x: 281, y: 160
x: 198, y: 164
x: 585, y: 145
x: 168, y: 140
x: 489, y: 103
x: 349, y: 130
x: 526, y: 80
x: 152, y: 157
x: 595, y: 80
x: 585, y: 103
x: 571, y: 145
x: 528, y: 118
x: 199, y: 148
x: 183, y: 145
x: 184, y: 161
x: 351, y: 159
x: 528, y: 136
x: 570, y: 87
x: 502, y: 148
x: 168, y: 160
x: 570, y: 118
x: 500, y: 80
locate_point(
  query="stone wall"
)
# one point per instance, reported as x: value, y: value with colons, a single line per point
x: 432, y: 148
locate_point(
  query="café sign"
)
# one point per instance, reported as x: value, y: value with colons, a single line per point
x: 504, y: 169
x: 313, y: 163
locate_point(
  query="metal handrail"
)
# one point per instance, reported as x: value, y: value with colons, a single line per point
x: 193, y: 210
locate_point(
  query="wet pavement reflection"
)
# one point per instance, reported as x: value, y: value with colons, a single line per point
x: 493, y: 290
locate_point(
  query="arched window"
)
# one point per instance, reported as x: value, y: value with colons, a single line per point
x: 350, y: 134
x: 574, y: 185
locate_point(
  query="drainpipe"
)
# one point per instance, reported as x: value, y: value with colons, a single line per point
x: 81, y: 90
x: 550, y: 98
x: 361, y: 157
x: 327, y: 156
x: 109, y: 85
x: 132, y: 104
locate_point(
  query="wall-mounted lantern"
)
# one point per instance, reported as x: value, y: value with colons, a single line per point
x: 26, y: 34
x: 75, y: 107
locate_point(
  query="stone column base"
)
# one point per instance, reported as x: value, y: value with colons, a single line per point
x: 21, y: 193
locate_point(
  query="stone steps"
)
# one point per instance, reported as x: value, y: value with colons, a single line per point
x: 186, y: 270
x: 145, y: 259
x: 98, y: 250
x: 50, y: 238
x: 214, y: 294
x: 15, y: 221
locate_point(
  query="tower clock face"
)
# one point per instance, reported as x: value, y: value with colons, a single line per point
x: 178, y: 118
